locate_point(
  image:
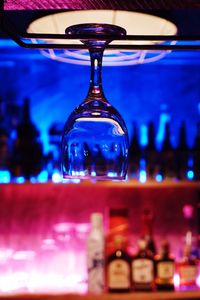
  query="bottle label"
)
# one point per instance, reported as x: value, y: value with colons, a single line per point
x: 188, y: 274
x: 95, y: 263
x: 119, y: 274
x: 165, y: 270
x: 142, y: 270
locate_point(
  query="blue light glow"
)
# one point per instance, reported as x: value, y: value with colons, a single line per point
x: 75, y: 181
x: 159, y: 178
x: 8, y: 43
x: 78, y: 173
x: 190, y: 162
x: 163, y: 119
x: 143, y: 176
x: 112, y: 174
x: 43, y: 176
x: 142, y: 164
x: 143, y: 135
x: 56, y: 177
x: 190, y: 175
x: 20, y: 179
x: 137, y: 92
x: 4, y: 176
x: 33, y: 180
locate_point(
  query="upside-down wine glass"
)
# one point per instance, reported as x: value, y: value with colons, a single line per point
x: 95, y: 138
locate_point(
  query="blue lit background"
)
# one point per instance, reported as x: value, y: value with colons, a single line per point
x: 139, y: 92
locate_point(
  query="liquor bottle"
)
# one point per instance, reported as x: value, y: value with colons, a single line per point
x: 165, y: 268
x: 4, y: 139
x: 182, y: 153
x: 198, y: 224
x: 54, y: 157
x: 134, y: 153
x: 167, y: 156
x: 147, y: 220
x: 142, y: 268
x: 151, y: 153
x: 196, y: 153
x: 27, y: 153
x: 165, y: 117
x: 118, y: 226
x: 187, y: 269
x: 118, y: 269
x: 96, y: 255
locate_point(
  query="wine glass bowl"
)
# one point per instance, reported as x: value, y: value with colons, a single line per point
x: 95, y: 138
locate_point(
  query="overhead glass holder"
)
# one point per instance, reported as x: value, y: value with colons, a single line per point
x: 25, y: 40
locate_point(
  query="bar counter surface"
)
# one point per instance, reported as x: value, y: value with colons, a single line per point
x: 189, y: 295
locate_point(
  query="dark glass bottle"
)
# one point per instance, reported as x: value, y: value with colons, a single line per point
x: 134, y: 154
x: 118, y: 269
x: 198, y: 224
x: 142, y: 268
x: 147, y: 220
x: 167, y: 156
x: 4, y: 139
x: 196, y: 153
x: 165, y: 268
x: 53, y: 159
x: 151, y: 153
x: 188, y: 269
x: 27, y: 152
x: 182, y: 153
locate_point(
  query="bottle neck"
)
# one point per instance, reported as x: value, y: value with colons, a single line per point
x: 95, y: 88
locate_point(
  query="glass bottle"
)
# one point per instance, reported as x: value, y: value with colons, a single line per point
x: 196, y: 153
x: 187, y: 268
x: 118, y: 269
x: 151, y: 153
x: 147, y: 220
x: 182, y: 153
x: 134, y: 154
x: 27, y: 152
x: 4, y: 139
x: 165, y: 268
x: 95, y: 255
x: 142, y: 268
x: 167, y: 156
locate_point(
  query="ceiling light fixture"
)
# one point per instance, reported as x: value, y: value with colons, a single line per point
x: 133, y: 22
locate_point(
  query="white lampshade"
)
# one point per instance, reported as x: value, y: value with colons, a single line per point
x: 133, y: 22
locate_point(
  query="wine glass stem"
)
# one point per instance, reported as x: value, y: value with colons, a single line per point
x: 95, y: 88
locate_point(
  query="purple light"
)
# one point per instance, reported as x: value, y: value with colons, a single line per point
x: 198, y: 281
x: 47, y: 267
x: 176, y: 281
x: 188, y: 211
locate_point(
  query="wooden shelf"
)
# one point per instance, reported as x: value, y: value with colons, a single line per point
x: 114, y: 184
x: 188, y: 295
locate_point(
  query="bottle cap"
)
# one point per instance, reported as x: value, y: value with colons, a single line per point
x: 165, y: 247
x: 142, y: 244
x: 121, y: 212
x: 187, y: 250
x: 97, y: 220
x: 119, y: 241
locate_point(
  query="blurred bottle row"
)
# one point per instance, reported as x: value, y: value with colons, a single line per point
x: 114, y: 266
x: 22, y: 156
x: 160, y: 162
